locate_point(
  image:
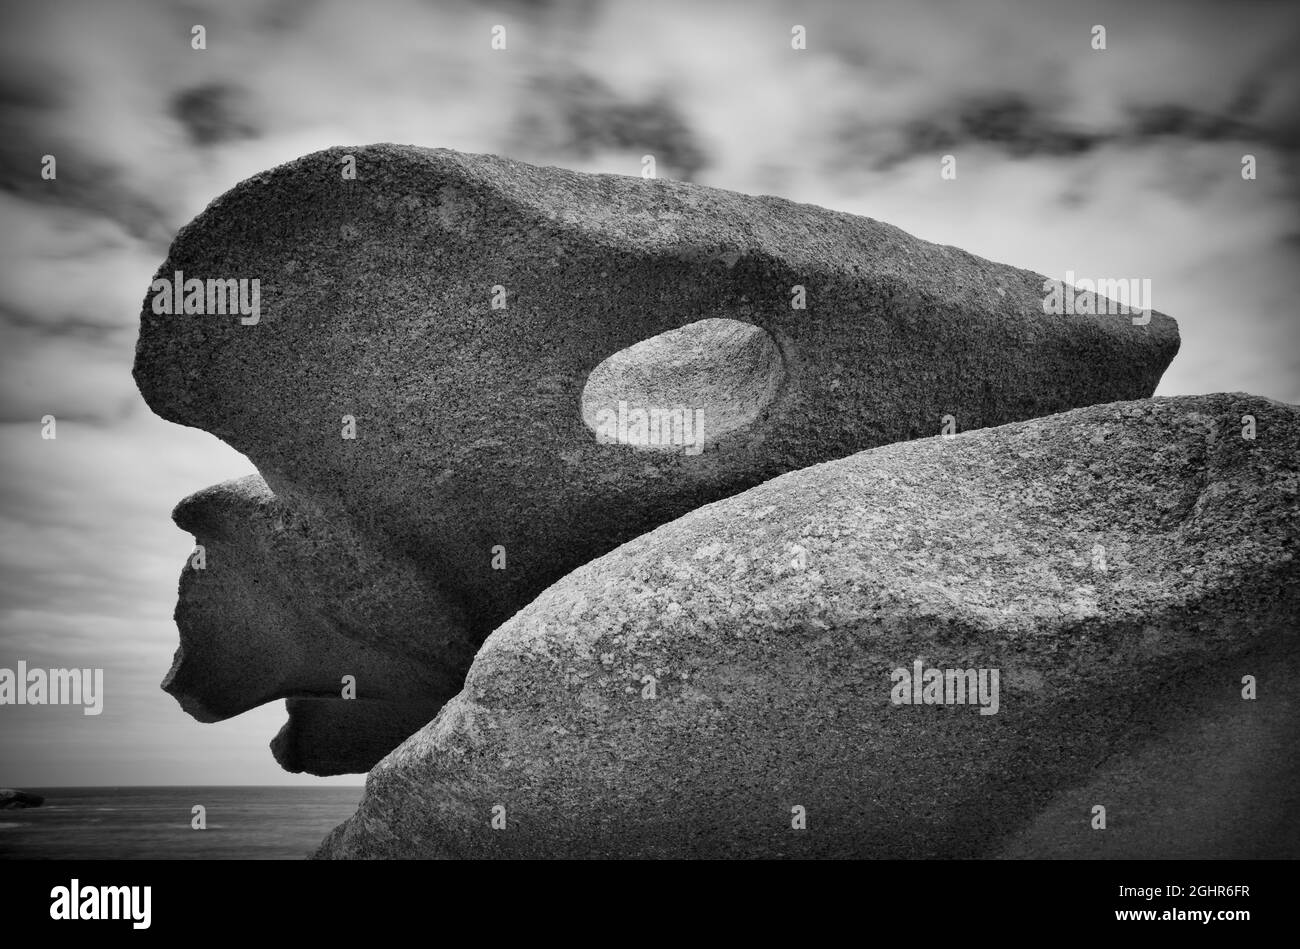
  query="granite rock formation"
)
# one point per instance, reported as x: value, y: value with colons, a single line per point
x: 437, y: 374
x: 1129, y: 571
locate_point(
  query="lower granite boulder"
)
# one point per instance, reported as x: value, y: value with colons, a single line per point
x: 1080, y: 597
x: 1218, y: 778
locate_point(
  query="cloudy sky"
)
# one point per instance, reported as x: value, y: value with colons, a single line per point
x: 1123, y: 162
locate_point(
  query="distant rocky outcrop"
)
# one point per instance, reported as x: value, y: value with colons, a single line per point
x: 12, y: 798
x: 737, y: 683
x: 438, y: 372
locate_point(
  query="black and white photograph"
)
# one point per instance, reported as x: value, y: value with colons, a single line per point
x: 786, y: 440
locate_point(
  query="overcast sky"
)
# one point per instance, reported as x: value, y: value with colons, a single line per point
x: 1116, y: 163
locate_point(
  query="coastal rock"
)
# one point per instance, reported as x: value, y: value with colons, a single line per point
x: 283, y: 603
x: 12, y: 798
x: 734, y: 683
x: 439, y: 373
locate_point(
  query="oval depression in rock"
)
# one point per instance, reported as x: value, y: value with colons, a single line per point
x: 684, y: 387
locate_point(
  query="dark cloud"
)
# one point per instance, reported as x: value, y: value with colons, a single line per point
x: 1238, y: 119
x: 1008, y: 121
x: 285, y: 16
x: 1014, y: 124
x: 1183, y: 122
x: 26, y: 94
x: 1019, y: 127
x: 213, y: 113
x: 579, y: 115
x: 56, y: 326
x: 84, y: 181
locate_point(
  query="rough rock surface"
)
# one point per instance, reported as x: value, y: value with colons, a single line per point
x: 376, y: 303
x: 286, y: 604
x: 13, y: 798
x: 1218, y: 778
x: 1123, y: 566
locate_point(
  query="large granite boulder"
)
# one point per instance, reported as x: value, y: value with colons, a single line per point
x: 1109, y: 577
x: 440, y: 373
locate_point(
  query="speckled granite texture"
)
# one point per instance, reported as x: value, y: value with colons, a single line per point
x: 1123, y: 566
x: 374, y: 556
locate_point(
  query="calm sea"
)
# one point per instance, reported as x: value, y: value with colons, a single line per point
x: 269, y: 823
